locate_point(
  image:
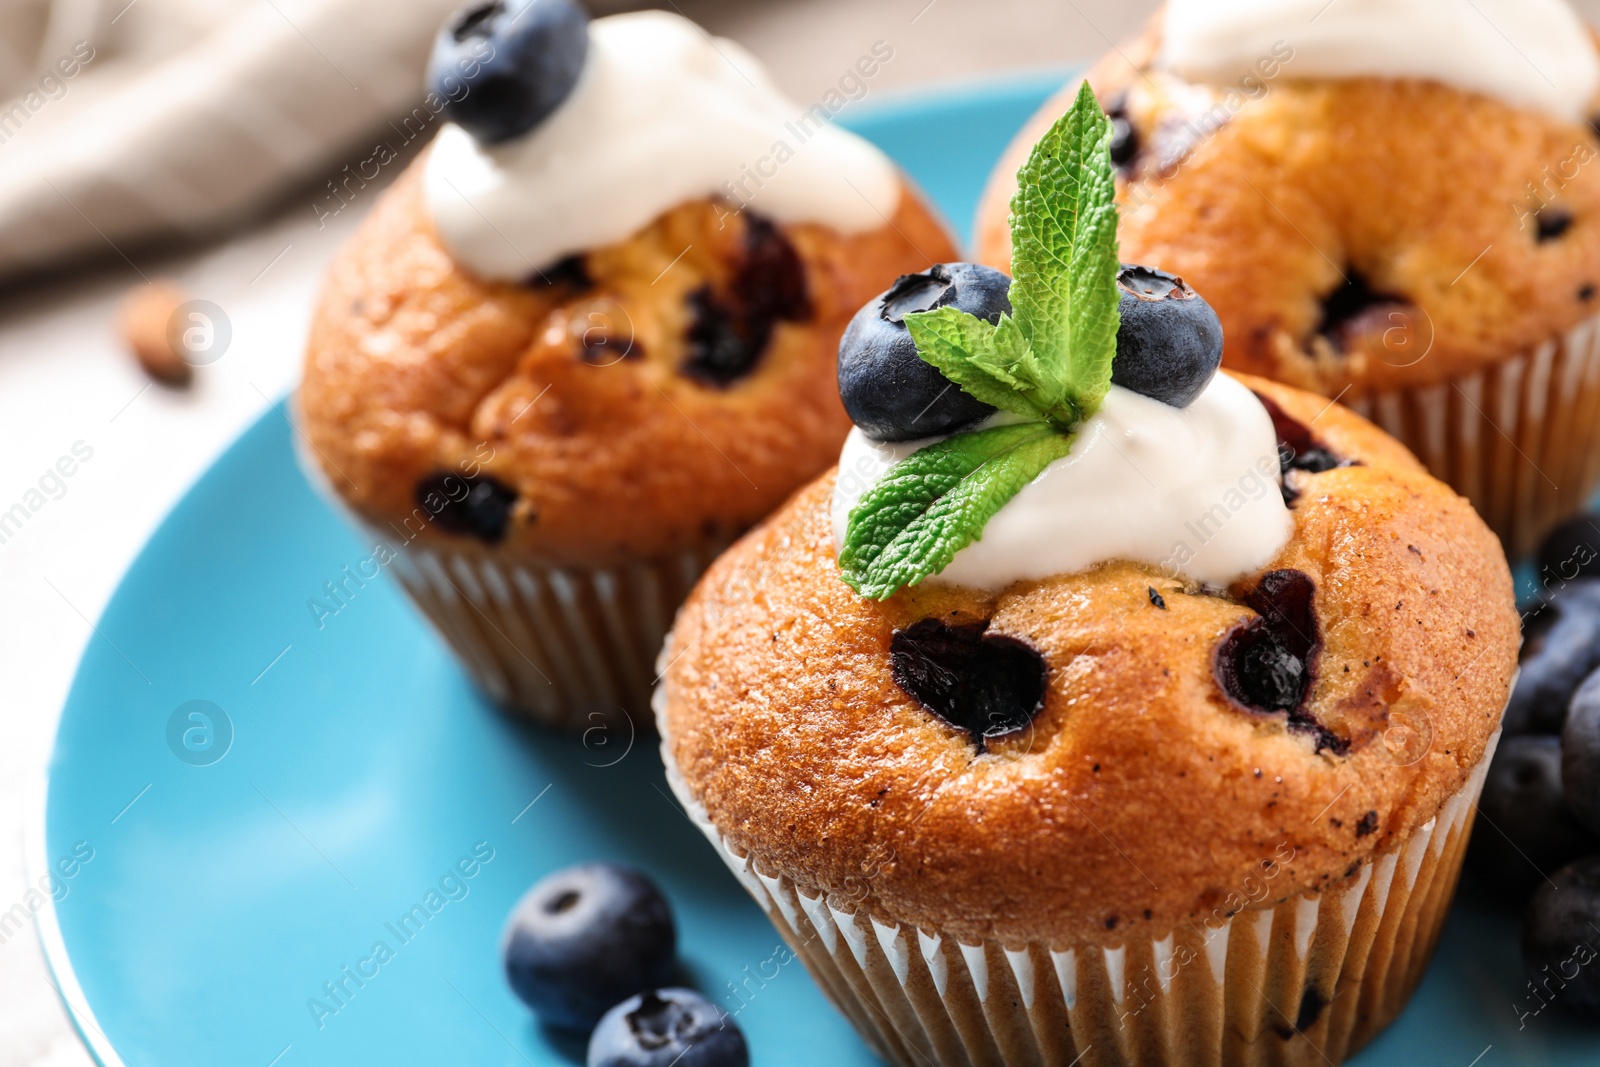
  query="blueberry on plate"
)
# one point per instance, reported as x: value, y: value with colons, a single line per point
x: 1580, y: 754
x: 1561, y: 938
x: 1526, y: 831
x: 667, y: 1028
x: 1571, y: 550
x: 1170, y: 344
x: 892, y: 393
x: 1561, y: 648
x: 586, y: 938
x: 502, y: 66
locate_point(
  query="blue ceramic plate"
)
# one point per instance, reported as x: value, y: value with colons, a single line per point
x: 245, y: 803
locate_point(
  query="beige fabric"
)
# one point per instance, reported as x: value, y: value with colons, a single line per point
x: 179, y: 115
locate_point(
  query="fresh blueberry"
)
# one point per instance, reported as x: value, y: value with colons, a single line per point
x: 585, y: 938
x: 1561, y: 938
x: 502, y: 66
x: 476, y: 507
x: 667, y: 1028
x: 1572, y: 550
x: 1561, y: 648
x: 1580, y: 753
x: 1170, y: 343
x: 892, y: 393
x: 1526, y: 831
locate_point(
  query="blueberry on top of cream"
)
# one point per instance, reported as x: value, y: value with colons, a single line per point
x: 891, y: 392
x: 660, y: 114
x: 1169, y: 344
x: 1108, y: 432
x: 503, y: 65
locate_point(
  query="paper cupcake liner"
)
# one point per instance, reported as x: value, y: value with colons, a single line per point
x: 572, y: 647
x: 1303, y: 982
x: 1520, y: 439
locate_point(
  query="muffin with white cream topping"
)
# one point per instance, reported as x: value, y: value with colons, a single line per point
x: 559, y: 369
x: 1131, y: 714
x: 1390, y: 203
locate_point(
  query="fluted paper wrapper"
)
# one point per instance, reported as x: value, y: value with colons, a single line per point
x: 570, y: 647
x: 573, y: 648
x: 1520, y: 439
x: 1303, y: 982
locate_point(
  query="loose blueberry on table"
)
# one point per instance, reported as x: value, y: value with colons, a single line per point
x: 1559, y: 943
x: 1169, y: 346
x: 1571, y: 550
x: 667, y: 1028
x: 887, y: 388
x: 1561, y: 647
x: 503, y: 66
x: 586, y: 938
x: 1527, y: 832
x: 1580, y: 755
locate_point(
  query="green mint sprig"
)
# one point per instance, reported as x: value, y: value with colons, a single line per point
x: 1049, y: 362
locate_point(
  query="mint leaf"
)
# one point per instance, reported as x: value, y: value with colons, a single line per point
x: 992, y: 364
x: 1049, y: 361
x: 1064, y: 256
x: 936, y: 502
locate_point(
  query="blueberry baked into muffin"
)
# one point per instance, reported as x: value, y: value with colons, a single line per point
x: 1394, y: 204
x: 1131, y: 713
x: 582, y: 344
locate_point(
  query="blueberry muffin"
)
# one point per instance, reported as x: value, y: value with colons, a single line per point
x: 1385, y: 209
x: 571, y: 355
x: 1157, y: 861
x: 1169, y: 754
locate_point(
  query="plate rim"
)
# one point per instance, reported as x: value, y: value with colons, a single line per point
x: 47, y: 924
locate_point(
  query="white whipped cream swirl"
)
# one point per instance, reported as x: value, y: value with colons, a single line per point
x: 1534, y: 54
x: 1194, y: 491
x: 661, y: 114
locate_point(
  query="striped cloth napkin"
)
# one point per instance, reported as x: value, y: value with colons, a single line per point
x: 127, y: 120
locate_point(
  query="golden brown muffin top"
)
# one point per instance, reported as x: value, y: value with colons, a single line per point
x: 600, y: 393
x: 1143, y: 796
x: 1365, y: 232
